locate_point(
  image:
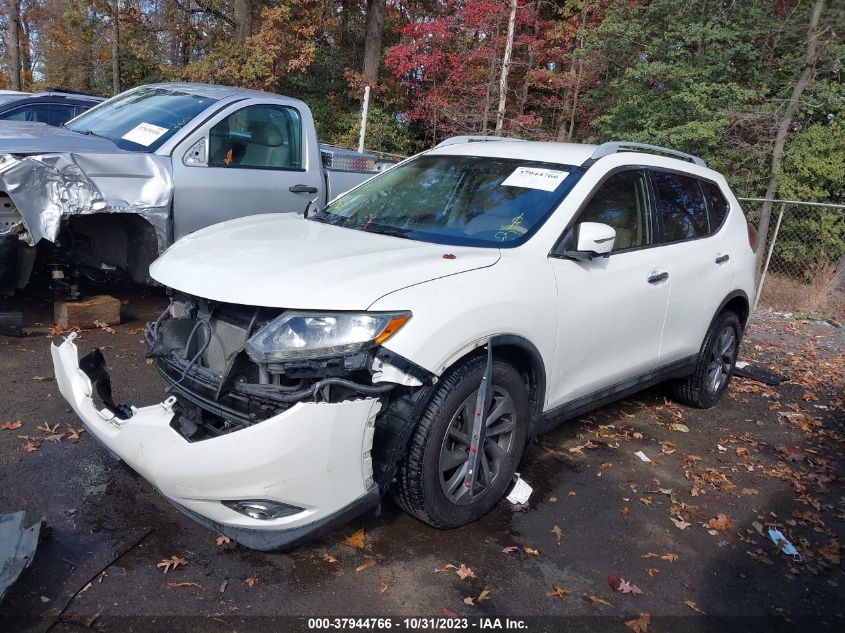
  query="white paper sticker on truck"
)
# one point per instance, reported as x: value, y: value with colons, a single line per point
x: 535, y: 178
x: 144, y: 134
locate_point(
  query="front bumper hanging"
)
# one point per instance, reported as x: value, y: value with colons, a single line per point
x: 315, y: 457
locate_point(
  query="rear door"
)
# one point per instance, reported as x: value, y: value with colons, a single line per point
x: 253, y: 157
x: 611, y: 309
x: 692, y: 213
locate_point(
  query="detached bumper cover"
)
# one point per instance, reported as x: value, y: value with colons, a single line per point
x: 315, y: 456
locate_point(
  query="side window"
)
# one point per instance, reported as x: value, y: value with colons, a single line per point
x: 258, y: 137
x: 51, y: 114
x: 622, y: 202
x: 680, y: 203
x: 717, y: 204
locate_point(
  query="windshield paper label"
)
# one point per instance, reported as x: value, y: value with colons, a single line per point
x: 535, y: 178
x: 144, y: 134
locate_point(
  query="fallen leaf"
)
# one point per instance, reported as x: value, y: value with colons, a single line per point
x: 627, y: 587
x: 185, y: 584
x: 73, y: 434
x: 448, y: 567
x: 614, y: 581
x: 669, y: 557
x: 484, y: 596
x: 757, y: 526
x: 464, y: 572
x: 741, y: 451
x: 86, y: 588
x: 251, y: 582
x: 571, y: 493
x: 680, y: 524
x: 104, y: 327
x: 640, y: 625
x: 367, y: 565
x: 49, y: 430
x: 384, y: 586
x: 591, y: 597
x: 750, y: 491
x: 31, y: 445
x: 469, y: 601
x: 55, y: 438
x: 531, y: 551
x: 681, y: 428
x: 222, y: 539
x: 329, y: 558
x: 355, y: 540
x: 646, y: 501
x: 558, y: 592
x: 552, y: 499
x: 625, y: 511
x: 508, y: 550
x: 171, y: 563
x: 694, y: 607
x: 606, y: 465
x: 10, y: 426
x: 557, y: 532
x: 651, y: 571
x: 41, y: 378
x: 720, y: 522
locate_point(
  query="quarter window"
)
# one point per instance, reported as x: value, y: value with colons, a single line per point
x: 681, y: 206
x: 717, y: 203
x: 258, y: 137
x: 622, y: 202
x: 51, y: 114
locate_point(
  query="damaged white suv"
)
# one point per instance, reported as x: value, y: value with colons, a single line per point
x: 416, y: 333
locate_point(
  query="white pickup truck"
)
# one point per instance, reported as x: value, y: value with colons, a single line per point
x: 102, y: 196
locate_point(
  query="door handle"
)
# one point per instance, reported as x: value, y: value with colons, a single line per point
x: 302, y: 189
x: 721, y: 259
x: 656, y: 278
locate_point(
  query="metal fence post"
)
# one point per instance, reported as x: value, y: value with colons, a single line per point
x: 769, y: 256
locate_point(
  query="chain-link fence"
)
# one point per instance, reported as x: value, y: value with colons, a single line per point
x: 804, y: 244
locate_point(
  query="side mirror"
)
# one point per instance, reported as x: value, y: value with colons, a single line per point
x: 593, y: 239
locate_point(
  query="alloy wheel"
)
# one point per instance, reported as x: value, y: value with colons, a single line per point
x: 722, y: 358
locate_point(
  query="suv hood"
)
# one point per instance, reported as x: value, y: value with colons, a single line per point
x: 29, y: 137
x: 285, y: 261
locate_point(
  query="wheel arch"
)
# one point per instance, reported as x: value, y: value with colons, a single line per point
x: 737, y: 302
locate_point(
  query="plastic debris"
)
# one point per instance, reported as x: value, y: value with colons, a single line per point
x: 783, y: 544
x: 642, y: 456
x: 520, y: 492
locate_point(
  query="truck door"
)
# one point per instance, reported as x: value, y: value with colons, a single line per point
x: 253, y: 157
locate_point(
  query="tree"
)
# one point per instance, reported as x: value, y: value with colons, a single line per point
x: 243, y: 19
x: 373, y: 39
x: 115, y: 46
x: 12, y: 41
x: 810, y: 52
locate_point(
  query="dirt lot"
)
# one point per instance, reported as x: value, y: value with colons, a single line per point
x: 679, y: 537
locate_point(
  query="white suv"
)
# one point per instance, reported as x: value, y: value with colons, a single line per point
x: 412, y: 336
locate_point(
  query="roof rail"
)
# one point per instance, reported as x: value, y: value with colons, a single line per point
x: 606, y: 149
x: 456, y: 140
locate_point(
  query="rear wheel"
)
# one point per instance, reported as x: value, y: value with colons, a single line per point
x: 714, y: 366
x: 431, y: 479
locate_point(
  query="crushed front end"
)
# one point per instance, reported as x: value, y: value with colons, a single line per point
x: 265, y: 446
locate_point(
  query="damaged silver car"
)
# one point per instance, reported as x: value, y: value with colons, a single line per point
x: 101, y: 197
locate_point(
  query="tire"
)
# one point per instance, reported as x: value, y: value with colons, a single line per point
x: 714, y: 367
x: 421, y: 485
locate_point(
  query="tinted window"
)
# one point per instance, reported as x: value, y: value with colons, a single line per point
x: 717, y: 203
x: 263, y: 136
x: 469, y: 200
x: 681, y: 205
x: 622, y: 202
x: 51, y: 114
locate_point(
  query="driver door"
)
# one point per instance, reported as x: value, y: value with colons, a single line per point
x: 611, y: 309
x: 250, y: 158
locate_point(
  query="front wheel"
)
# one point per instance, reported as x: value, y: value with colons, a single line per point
x: 432, y: 478
x: 714, y: 366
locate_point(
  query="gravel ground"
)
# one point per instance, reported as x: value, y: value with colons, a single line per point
x: 607, y: 539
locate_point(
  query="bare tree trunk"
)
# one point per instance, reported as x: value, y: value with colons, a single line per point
x: 115, y: 47
x: 13, y: 48
x: 243, y: 19
x: 372, y: 40
x: 784, y: 125
x: 506, y: 64
x: 25, y: 45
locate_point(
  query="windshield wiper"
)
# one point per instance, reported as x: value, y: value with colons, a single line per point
x: 386, y: 230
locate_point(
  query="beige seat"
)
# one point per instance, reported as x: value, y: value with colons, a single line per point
x: 267, y: 147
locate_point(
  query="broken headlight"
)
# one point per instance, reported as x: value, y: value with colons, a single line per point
x: 294, y: 335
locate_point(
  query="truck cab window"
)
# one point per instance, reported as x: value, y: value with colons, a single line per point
x: 258, y: 137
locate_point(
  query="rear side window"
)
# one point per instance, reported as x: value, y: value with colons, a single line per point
x: 717, y: 203
x: 680, y: 204
x: 49, y: 113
